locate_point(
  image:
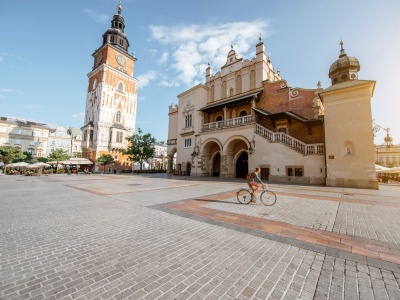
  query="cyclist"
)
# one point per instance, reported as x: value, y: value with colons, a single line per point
x: 255, y: 182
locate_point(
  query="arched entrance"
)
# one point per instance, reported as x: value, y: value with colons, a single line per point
x: 216, y: 165
x: 171, y: 161
x: 242, y: 165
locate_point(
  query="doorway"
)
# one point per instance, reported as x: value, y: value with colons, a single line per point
x: 216, y: 165
x: 242, y: 165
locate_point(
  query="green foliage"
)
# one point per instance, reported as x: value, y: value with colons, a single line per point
x: 77, y: 155
x: 10, y: 154
x: 42, y: 159
x: 58, y: 155
x: 27, y: 158
x: 140, y: 148
x: 104, y: 160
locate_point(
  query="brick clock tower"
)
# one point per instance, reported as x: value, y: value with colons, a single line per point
x: 110, y: 113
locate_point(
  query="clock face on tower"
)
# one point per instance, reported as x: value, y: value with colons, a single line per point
x: 120, y: 60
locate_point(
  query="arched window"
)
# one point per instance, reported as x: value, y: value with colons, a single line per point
x: 252, y: 79
x: 118, y: 117
x: 120, y: 87
x: 223, y: 90
x: 230, y: 92
x: 212, y: 93
x: 238, y: 84
x: 218, y: 119
x: 243, y: 113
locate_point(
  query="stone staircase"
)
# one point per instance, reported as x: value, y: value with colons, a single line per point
x: 291, y: 142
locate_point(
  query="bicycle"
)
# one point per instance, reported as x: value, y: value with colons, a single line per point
x: 267, y: 197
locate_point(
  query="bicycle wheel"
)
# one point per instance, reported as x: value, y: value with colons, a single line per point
x: 244, y: 196
x: 268, y: 198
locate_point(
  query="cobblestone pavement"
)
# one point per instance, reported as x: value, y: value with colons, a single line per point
x: 145, y: 237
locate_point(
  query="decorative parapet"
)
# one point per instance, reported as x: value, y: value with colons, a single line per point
x: 171, y: 142
x: 173, y: 108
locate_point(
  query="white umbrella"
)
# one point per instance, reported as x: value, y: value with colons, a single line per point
x: 39, y: 165
x: 379, y: 168
x: 19, y: 164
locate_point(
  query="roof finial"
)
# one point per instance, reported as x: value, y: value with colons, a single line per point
x: 342, y: 53
x: 119, y: 7
x: 260, y: 37
x: 232, y: 45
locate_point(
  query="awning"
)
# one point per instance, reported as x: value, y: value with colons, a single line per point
x: 230, y: 103
x: 76, y: 161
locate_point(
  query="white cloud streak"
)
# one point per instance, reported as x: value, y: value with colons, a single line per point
x: 97, y: 17
x: 78, y: 115
x: 146, y: 78
x: 192, y: 46
x: 6, y: 90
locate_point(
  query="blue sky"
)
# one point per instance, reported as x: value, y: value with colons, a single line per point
x: 46, y: 47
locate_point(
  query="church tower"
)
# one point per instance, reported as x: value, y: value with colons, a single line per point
x: 110, y: 113
x: 349, y: 143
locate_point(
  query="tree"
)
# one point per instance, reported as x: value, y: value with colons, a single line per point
x: 104, y: 160
x: 77, y: 154
x: 9, y: 154
x: 27, y: 158
x: 58, y: 155
x: 42, y: 159
x: 140, y: 148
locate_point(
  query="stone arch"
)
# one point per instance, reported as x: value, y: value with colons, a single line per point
x: 208, y: 152
x: 171, y: 155
x: 233, y: 148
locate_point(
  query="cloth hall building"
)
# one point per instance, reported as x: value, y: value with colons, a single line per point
x: 247, y: 116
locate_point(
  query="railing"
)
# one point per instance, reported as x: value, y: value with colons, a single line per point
x: 291, y: 142
x: 228, y: 123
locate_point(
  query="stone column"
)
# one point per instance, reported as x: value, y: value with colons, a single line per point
x: 170, y: 164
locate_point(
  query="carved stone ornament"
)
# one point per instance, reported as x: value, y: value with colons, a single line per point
x: 188, y: 108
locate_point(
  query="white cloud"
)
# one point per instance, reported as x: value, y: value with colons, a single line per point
x: 5, y: 54
x: 6, y: 90
x: 145, y: 78
x: 164, y: 58
x: 193, y: 46
x: 78, y: 115
x: 97, y: 17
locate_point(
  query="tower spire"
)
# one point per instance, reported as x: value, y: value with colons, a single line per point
x: 119, y: 7
x: 342, y: 53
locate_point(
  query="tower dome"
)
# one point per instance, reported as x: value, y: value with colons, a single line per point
x: 115, y: 35
x: 345, y: 68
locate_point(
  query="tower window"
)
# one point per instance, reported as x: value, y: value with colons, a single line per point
x: 121, y: 42
x: 118, y: 117
x: 120, y: 87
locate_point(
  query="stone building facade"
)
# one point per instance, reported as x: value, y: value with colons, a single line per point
x: 26, y: 135
x: 247, y: 116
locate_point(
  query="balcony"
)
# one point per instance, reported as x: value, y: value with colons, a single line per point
x: 245, y: 120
